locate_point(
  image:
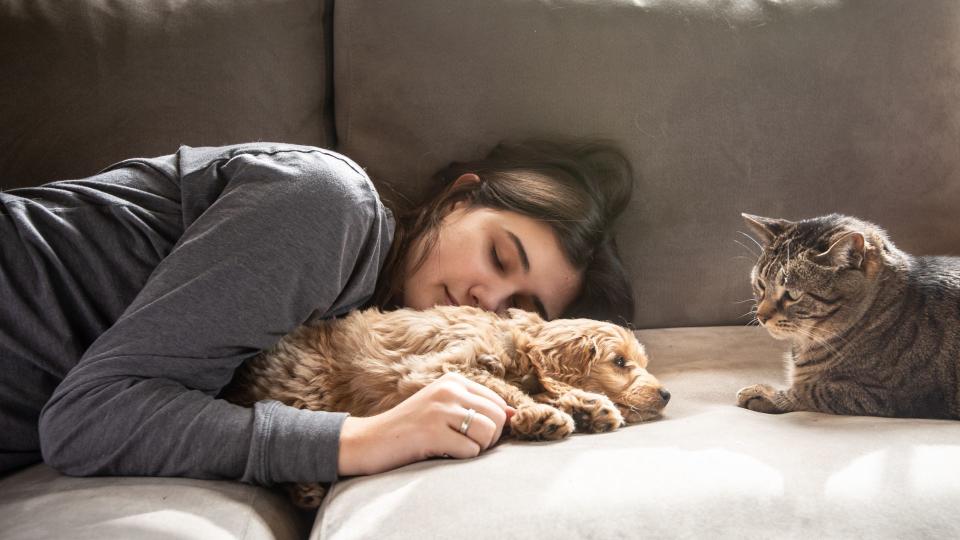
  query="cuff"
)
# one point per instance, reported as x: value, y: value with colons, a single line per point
x: 293, y: 445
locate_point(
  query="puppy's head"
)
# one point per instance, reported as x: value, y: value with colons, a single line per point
x: 594, y: 356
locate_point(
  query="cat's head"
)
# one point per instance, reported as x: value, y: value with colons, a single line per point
x: 814, y: 277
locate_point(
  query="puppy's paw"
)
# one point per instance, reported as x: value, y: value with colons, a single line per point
x: 592, y: 413
x: 759, y: 397
x: 541, y: 423
x: 307, y: 496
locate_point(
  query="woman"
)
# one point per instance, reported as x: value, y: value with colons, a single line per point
x: 130, y: 297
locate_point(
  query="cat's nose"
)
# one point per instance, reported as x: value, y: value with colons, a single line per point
x: 664, y: 395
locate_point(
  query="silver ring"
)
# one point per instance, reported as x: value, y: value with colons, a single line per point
x: 465, y: 425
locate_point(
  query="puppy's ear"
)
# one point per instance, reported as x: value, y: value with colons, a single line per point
x: 545, y: 374
x: 526, y: 319
x: 570, y: 361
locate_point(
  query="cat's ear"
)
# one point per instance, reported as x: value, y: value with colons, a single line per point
x: 766, y: 228
x: 846, y: 252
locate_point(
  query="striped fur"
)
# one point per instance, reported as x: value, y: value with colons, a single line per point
x: 873, y: 330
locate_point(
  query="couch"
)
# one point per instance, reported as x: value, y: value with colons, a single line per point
x: 788, y: 108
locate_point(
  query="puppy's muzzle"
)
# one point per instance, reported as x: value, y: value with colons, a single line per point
x: 643, y: 402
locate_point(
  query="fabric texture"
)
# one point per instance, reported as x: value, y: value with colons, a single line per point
x: 783, y: 109
x: 39, y: 504
x: 136, y: 293
x: 707, y: 469
x: 91, y: 82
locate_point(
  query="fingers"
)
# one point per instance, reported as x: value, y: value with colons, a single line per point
x: 481, y: 390
x: 484, y: 401
x: 486, y: 425
x: 458, y: 446
x: 480, y: 428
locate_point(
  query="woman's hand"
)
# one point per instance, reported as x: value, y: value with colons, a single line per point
x: 427, y: 424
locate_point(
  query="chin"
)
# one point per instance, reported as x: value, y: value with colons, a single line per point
x: 779, y: 334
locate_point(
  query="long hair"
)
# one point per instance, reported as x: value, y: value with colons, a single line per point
x: 577, y: 188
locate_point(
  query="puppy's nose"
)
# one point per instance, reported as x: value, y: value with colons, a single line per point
x: 664, y: 395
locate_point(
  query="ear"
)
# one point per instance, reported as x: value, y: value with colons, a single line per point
x: 570, y: 361
x: 525, y: 319
x: 544, y: 372
x: 553, y: 386
x: 466, y: 178
x: 766, y: 228
x: 847, y: 252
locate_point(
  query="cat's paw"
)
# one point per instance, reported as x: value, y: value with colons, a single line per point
x: 307, y: 496
x: 759, y: 397
x: 540, y: 422
x: 592, y: 413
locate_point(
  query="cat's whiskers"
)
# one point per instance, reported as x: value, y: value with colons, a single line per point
x: 834, y: 336
x: 746, y: 247
x: 752, y: 239
x: 806, y: 332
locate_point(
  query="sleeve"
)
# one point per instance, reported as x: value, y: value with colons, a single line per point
x: 295, y: 232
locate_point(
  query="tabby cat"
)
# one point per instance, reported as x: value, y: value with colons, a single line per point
x: 873, y: 331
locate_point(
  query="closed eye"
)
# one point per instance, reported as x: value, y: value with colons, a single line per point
x: 496, y: 258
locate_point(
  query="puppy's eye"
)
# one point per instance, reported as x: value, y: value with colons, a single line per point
x: 620, y: 362
x: 593, y: 350
x: 794, y: 294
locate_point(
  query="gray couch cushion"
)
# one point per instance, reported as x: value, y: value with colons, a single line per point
x: 38, y: 503
x: 789, y: 109
x: 90, y: 82
x: 707, y: 470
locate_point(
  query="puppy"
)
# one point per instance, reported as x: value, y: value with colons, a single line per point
x: 561, y: 375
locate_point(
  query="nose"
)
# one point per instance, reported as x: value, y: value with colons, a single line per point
x: 491, y: 296
x: 665, y: 395
x: 765, y: 312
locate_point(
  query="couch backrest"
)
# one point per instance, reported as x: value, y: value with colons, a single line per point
x: 86, y: 83
x: 792, y: 109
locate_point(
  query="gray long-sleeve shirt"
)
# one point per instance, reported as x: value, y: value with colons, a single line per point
x: 128, y: 299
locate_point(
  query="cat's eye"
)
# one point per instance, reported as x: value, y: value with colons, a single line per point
x: 620, y: 362
x: 794, y: 294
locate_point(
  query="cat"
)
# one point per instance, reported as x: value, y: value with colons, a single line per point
x: 873, y: 331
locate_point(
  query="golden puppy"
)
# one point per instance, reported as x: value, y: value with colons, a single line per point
x: 561, y: 375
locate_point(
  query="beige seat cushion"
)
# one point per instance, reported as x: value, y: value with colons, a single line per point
x: 707, y: 470
x: 40, y: 504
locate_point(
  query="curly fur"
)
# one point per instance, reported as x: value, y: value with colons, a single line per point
x: 560, y: 375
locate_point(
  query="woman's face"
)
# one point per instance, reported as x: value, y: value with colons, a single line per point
x: 493, y: 259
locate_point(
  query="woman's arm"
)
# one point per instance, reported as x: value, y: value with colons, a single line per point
x: 294, y: 232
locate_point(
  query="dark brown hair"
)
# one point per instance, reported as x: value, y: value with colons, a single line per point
x: 577, y: 188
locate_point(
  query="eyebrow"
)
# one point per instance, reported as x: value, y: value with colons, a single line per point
x: 525, y: 262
